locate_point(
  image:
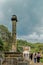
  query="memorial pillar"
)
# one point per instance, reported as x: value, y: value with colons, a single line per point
x: 14, y: 20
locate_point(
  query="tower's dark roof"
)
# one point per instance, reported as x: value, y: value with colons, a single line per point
x: 14, y: 17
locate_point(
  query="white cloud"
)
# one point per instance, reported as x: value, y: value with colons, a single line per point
x: 39, y: 29
x: 41, y: 37
x: 34, y: 37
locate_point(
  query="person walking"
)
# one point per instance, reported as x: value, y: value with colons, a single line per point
x: 31, y: 56
x: 35, y: 57
x: 38, y: 57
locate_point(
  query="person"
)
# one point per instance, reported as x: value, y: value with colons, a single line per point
x: 35, y: 58
x: 31, y: 56
x: 38, y: 57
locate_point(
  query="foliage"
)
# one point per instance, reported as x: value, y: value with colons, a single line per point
x: 3, y: 28
x: 35, y: 47
x: 7, y: 43
x: 41, y: 60
x: 1, y: 45
x: 8, y: 33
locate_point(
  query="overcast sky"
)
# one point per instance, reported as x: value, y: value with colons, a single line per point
x: 30, y: 18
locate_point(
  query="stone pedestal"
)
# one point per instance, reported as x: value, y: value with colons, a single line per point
x: 13, y: 54
x: 14, y: 58
x: 11, y: 58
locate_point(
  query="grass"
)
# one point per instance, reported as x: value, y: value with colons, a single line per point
x: 41, y: 60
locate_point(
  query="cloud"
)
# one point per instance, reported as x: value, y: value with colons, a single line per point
x: 29, y: 14
x: 34, y: 37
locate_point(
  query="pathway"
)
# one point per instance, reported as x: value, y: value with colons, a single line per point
x: 32, y: 63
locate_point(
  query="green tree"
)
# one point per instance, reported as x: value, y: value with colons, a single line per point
x: 1, y: 45
x: 7, y: 37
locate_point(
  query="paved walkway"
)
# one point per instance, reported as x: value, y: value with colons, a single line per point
x: 32, y: 63
x: 37, y: 64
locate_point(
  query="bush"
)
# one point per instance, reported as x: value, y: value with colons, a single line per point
x: 1, y: 45
x: 41, y: 60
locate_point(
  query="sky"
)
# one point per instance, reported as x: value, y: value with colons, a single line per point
x: 30, y: 18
